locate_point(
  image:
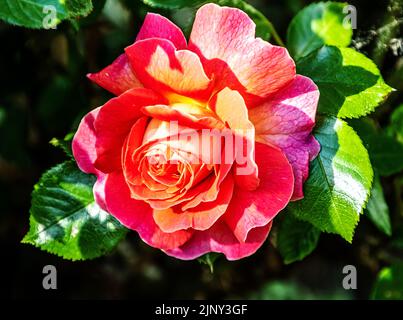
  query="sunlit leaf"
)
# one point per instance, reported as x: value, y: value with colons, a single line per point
x: 350, y: 84
x: 39, y: 14
x: 339, y: 183
x: 316, y: 25
x: 66, y: 221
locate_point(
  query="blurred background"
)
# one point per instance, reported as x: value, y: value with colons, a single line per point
x: 44, y: 93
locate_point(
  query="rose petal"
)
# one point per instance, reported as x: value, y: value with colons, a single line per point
x: 230, y: 108
x: 249, y: 210
x: 225, y: 40
x: 114, y: 121
x: 117, y: 77
x: 157, y: 26
x: 137, y: 215
x: 201, y: 217
x: 169, y: 71
x: 219, y: 238
x: 196, y: 120
x: 133, y: 141
x: 287, y: 122
x: 85, y: 154
x: 83, y: 144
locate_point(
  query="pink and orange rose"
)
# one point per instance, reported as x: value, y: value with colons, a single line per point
x: 206, y: 141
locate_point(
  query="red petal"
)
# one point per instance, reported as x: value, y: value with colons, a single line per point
x: 157, y: 26
x: 114, y: 122
x: 117, y: 77
x: 219, y: 238
x: 137, y: 215
x: 84, y: 140
x: 85, y: 154
x: 249, y: 210
x: 160, y: 66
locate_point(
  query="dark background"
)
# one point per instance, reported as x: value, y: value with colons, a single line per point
x: 44, y: 93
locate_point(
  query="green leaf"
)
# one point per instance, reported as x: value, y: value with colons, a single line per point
x: 389, y: 284
x: 33, y: 13
x: 296, y: 238
x: 339, y: 182
x: 350, y: 84
x: 316, y: 25
x: 209, y: 259
x: 77, y: 8
x: 377, y: 208
x: 385, y: 152
x: 66, y: 221
x: 397, y: 123
x: 263, y: 25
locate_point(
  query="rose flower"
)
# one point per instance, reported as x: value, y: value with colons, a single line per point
x: 206, y: 141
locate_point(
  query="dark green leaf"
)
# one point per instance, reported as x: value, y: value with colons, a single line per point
x: 397, y: 123
x: 36, y: 13
x: 377, y: 208
x: 296, y: 239
x: 66, y: 221
x: 339, y: 182
x: 350, y: 84
x: 77, y: 8
x: 385, y: 152
x: 316, y: 25
x: 389, y: 284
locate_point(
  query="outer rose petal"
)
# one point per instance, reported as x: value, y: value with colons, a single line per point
x: 114, y: 121
x: 85, y: 153
x: 249, y: 210
x: 137, y: 215
x: 159, y: 66
x: 225, y: 40
x: 287, y: 122
x: 219, y: 238
x: 200, y: 218
x: 83, y: 144
x: 157, y: 26
x: 117, y: 77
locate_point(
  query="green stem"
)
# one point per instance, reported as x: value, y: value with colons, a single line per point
x: 275, y: 35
